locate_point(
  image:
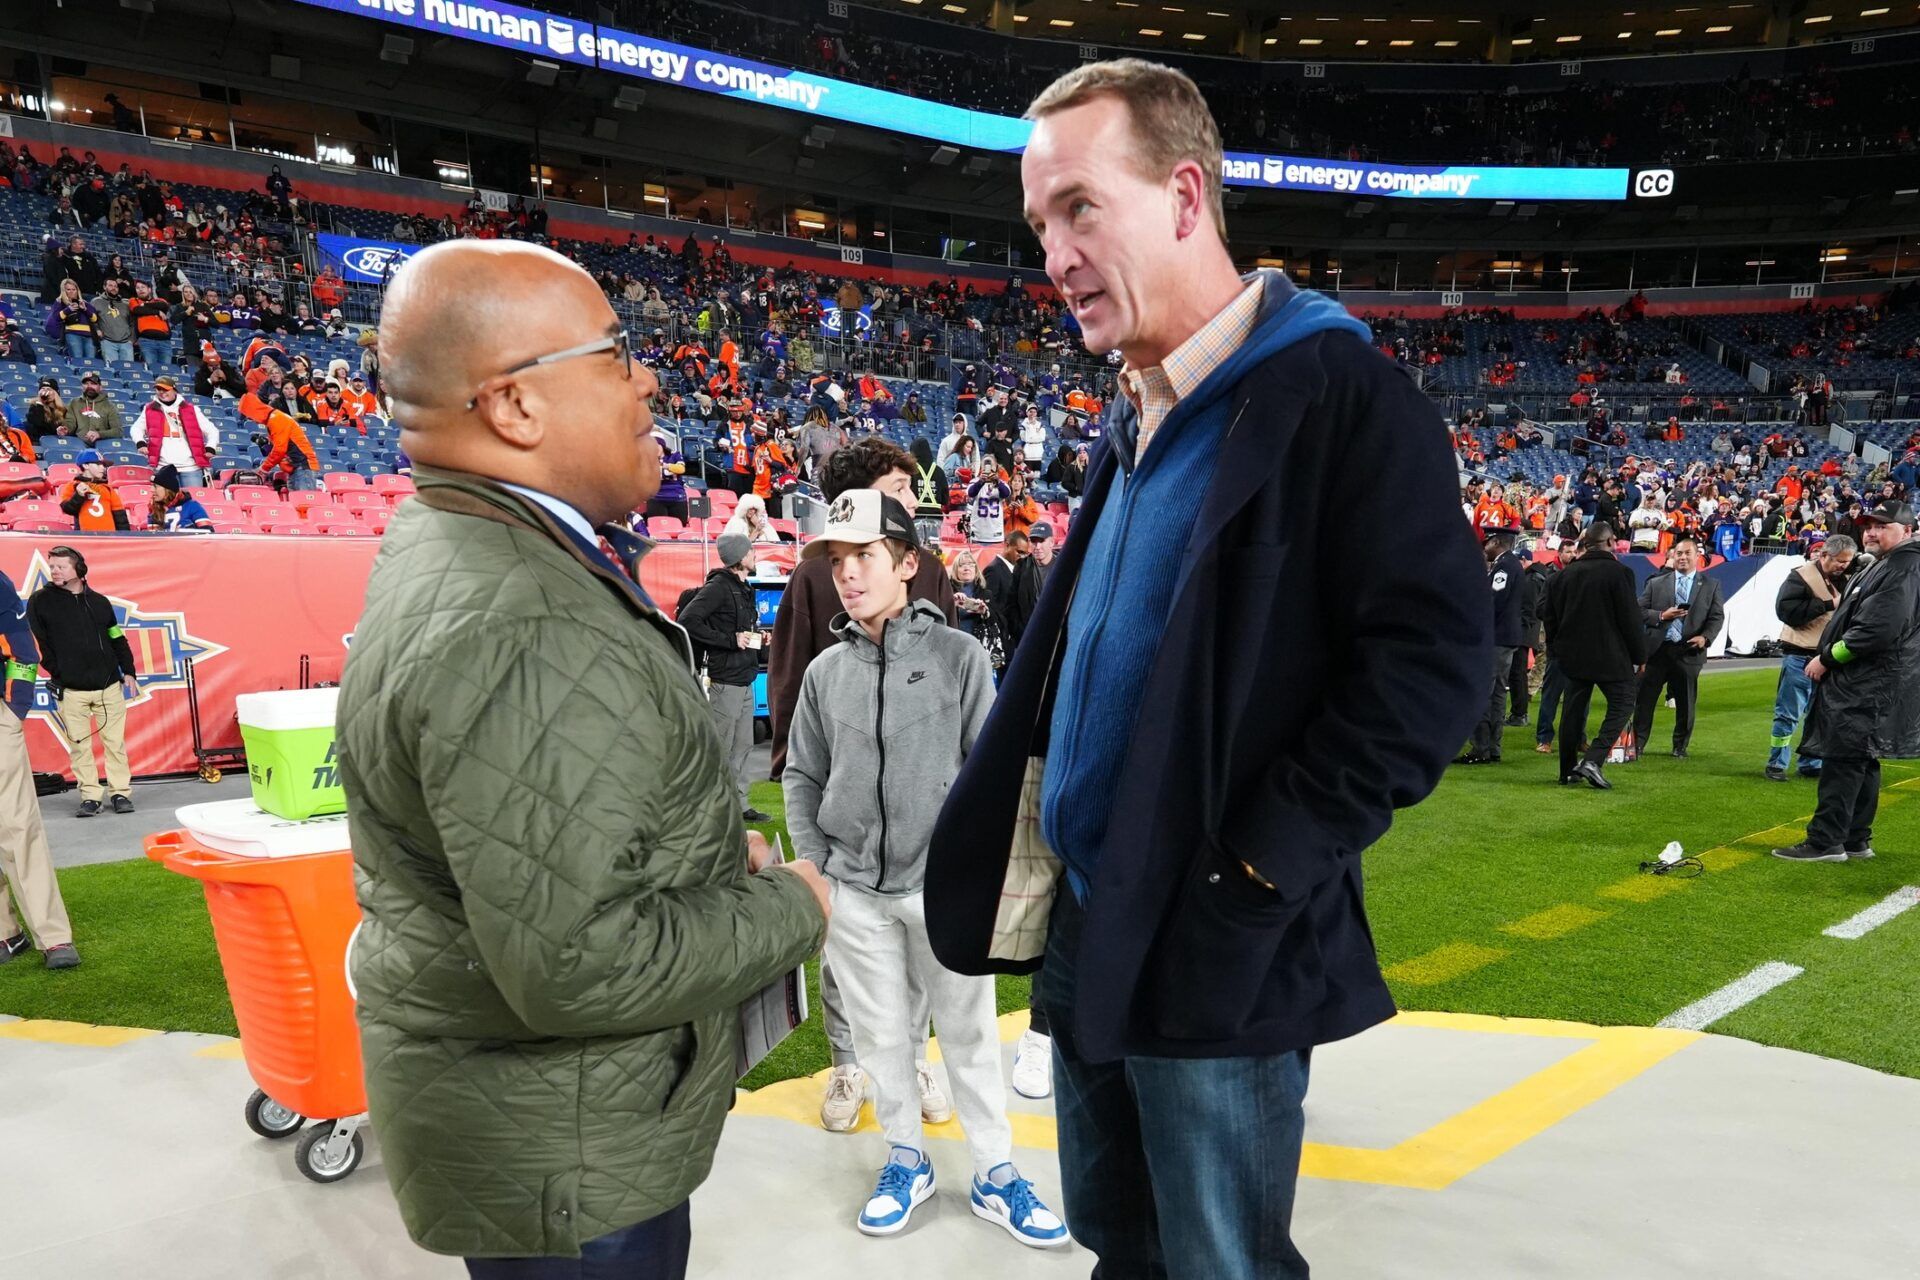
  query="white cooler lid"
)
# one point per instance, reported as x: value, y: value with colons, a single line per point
x: 287, y: 708
x: 243, y: 827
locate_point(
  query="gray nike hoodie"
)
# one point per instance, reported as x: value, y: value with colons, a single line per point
x: 877, y: 738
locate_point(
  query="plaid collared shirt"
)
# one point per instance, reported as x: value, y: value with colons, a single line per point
x: 1155, y: 391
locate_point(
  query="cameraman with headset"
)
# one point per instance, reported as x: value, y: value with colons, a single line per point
x: 90, y: 673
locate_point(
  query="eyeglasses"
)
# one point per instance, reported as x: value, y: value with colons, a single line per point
x: 617, y: 343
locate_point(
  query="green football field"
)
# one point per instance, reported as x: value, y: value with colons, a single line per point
x: 1504, y: 893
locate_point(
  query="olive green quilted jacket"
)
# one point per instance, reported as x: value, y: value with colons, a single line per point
x: 558, y: 925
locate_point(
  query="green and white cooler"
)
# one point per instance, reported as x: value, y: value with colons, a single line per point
x: 290, y: 751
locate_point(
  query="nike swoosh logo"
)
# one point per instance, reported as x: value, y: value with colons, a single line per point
x: 916, y: 677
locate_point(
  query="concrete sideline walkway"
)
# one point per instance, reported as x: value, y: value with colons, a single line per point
x: 1440, y: 1146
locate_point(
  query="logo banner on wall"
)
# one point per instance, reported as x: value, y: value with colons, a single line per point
x: 862, y: 322
x: 201, y: 598
x: 181, y: 598
x: 364, y: 261
x: 822, y: 97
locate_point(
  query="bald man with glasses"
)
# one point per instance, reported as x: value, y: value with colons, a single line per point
x: 561, y: 909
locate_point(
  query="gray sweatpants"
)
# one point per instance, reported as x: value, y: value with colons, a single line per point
x: 732, y: 709
x: 875, y: 942
x: 833, y: 1011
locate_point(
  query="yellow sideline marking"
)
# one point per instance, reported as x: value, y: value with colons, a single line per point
x: 1443, y: 964
x: 228, y: 1051
x: 1429, y: 1161
x: 1554, y: 922
x: 86, y: 1035
x: 1641, y: 888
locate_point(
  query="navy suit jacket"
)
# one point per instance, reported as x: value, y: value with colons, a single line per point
x: 1325, y: 655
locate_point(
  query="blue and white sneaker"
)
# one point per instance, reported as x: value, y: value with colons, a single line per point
x: 906, y: 1180
x: 1014, y: 1206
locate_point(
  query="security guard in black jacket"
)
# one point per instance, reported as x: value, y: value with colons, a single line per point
x: 1507, y: 576
x: 723, y: 620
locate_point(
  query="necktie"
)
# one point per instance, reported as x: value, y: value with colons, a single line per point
x: 1682, y: 597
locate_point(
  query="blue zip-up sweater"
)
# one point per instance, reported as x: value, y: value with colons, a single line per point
x: 1127, y: 584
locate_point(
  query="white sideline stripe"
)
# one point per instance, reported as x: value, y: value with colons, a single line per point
x: 1707, y: 1010
x: 1856, y: 926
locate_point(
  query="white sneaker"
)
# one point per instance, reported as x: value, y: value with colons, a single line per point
x: 846, y: 1090
x: 1033, y: 1065
x: 934, y: 1107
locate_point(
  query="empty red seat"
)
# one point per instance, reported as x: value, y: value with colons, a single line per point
x: 19, y: 473
x: 292, y: 529
x: 666, y: 526
x: 342, y: 481
x: 266, y: 515
x: 355, y: 499
x: 126, y: 474
x: 254, y: 495
x: 393, y: 486
x: 59, y: 473
x: 338, y: 528
x: 309, y: 500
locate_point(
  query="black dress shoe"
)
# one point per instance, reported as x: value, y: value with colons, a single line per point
x: 1679, y: 753
x: 1590, y: 771
x: 754, y: 815
x: 1516, y: 722
x: 1472, y: 757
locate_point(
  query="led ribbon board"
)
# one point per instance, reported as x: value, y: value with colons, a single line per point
x: 586, y: 44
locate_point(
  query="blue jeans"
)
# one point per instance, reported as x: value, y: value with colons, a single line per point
x: 1182, y: 1168
x: 119, y: 352
x: 1553, y: 686
x: 305, y: 481
x: 1790, y: 701
x: 80, y: 347
x: 652, y: 1250
x: 156, y: 353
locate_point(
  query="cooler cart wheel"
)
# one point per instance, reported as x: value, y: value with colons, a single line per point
x: 323, y: 1160
x: 271, y: 1120
x: 209, y: 774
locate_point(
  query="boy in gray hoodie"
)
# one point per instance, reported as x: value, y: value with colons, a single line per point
x: 884, y: 721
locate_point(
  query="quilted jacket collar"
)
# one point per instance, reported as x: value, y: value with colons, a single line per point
x: 463, y: 493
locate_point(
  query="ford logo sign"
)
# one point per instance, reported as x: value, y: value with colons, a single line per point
x: 830, y: 321
x: 374, y: 260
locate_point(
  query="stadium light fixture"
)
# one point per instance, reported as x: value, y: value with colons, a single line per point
x: 1873, y: 13
x: 1019, y: 17
x: 1400, y: 44
x: 954, y: 8
x: 1271, y: 40
x: 1362, y: 43
x: 1310, y: 40
x: 1668, y: 31
x: 1626, y: 35
x: 1566, y: 39
x: 1058, y: 22
x: 1719, y: 30
x: 1191, y: 35
x: 1151, y: 31
x: 1522, y: 40
x: 54, y: 104
x: 1446, y: 44
x: 1215, y: 13
x: 1819, y: 17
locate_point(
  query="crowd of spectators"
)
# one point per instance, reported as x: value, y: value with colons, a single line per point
x: 1725, y: 499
